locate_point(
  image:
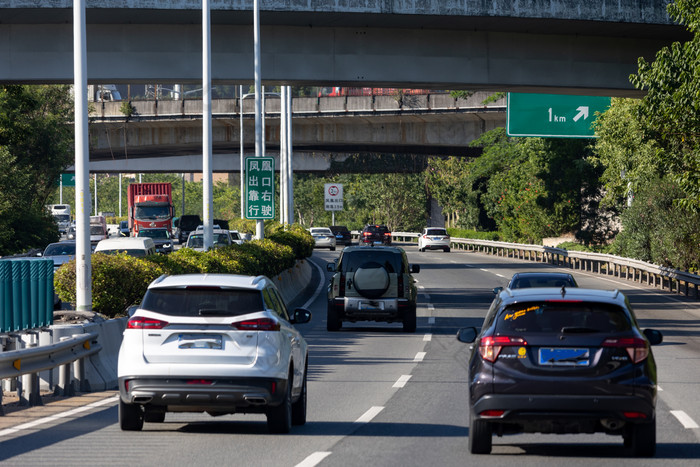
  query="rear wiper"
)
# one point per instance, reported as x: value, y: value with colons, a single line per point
x: 578, y: 330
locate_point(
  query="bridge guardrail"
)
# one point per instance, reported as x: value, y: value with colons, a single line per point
x: 673, y: 280
x: 28, y: 362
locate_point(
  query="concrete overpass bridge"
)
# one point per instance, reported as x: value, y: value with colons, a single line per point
x: 327, y: 131
x: 567, y: 46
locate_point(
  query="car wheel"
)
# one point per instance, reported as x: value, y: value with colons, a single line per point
x: 130, y: 416
x: 279, y: 419
x: 641, y: 437
x: 446, y: 249
x: 480, y: 436
x: 371, y: 280
x: 154, y: 416
x: 409, y: 320
x: 333, y: 323
x: 332, y: 248
x: 299, y: 407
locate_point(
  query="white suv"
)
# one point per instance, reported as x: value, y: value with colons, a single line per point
x: 215, y: 343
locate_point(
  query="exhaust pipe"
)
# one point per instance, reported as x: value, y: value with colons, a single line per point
x: 255, y: 399
x: 612, y: 424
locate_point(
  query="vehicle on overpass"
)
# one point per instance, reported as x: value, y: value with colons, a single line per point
x: 150, y: 206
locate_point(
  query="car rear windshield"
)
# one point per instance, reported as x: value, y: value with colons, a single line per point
x: 436, y: 232
x: 542, y: 281
x: 203, y: 301
x: 391, y: 261
x: 60, y: 249
x: 561, y: 316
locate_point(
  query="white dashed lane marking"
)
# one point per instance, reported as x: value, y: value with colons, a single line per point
x: 685, y: 419
x: 419, y: 357
x: 314, y: 459
x: 427, y: 338
x: 369, y: 415
x: 401, y: 382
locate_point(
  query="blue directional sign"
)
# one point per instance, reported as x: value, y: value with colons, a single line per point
x: 553, y: 115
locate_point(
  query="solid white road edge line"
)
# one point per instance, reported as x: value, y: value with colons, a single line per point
x: 58, y: 416
x: 419, y: 357
x: 685, y: 419
x: 370, y: 414
x: 314, y: 459
x: 318, y: 289
x: 401, y: 382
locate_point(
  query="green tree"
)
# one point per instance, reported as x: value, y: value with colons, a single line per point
x: 35, y: 147
x: 670, y: 110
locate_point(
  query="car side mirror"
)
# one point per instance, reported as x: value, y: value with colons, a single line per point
x: 467, y: 335
x: 330, y: 267
x: 653, y: 336
x: 415, y: 268
x: 497, y: 290
x: 301, y: 316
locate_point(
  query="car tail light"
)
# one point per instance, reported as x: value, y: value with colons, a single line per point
x: 260, y: 324
x: 492, y: 413
x: 141, y: 322
x: 634, y: 415
x: 341, y: 285
x: 637, y: 348
x: 200, y: 381
x: 490, y: 346
x: 387, y: 234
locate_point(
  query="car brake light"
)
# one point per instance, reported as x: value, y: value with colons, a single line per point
x: 387, y: 234
x: 366, y: 234
x: 492, y: 413
x: 637, y: 348
x: 260, y: 324
x: 634, y: 415
x: 200, y: 381
x: 490, y: 346
x: 141, y: 322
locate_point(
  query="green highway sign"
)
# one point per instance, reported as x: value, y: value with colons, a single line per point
x: 260, y: 187
x: 553, y: 115
x: 68, y: 179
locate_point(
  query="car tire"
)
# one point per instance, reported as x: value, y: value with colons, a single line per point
x: 446, y: 249
x: 409, y: 320
x: 299, y: 407
x: 130, y: 416
x: 279, y: 418
x: 480, y: 436
x: 333, y: 323
x: 332, y: 248
x: 371, y: 280
x: 641, y: 437
x: 154, y: 416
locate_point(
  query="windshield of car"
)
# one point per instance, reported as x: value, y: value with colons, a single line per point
x: 235, y: 236
x: 376, y: 229
x: 562, y: 316
x: 442, y: 232
x: 221, y: 239
x: 195, y: 241
x: 129, y: 252
x: 541, y: 281
x: 202, y: 301
x: 152, y: 212
x: 60, y: 249
x: 154, y: 233
x: 391, y: 261
x: 321, y: 231
x: 62, y: 217
x: 97, y: 230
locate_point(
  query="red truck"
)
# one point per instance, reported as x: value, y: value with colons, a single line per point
x: 150, y: 206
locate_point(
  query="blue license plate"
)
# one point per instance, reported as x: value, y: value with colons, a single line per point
x: 558, y: 356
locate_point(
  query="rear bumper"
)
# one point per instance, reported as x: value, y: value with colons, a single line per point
x: 562, y: 413
x: 198, y: 393
x: 357, y: 309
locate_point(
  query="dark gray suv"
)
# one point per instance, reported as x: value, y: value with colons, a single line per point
x: 558, y: 360
x: 372, y: 284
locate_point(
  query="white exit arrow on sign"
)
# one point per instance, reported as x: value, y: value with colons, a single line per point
x: 582, y: 112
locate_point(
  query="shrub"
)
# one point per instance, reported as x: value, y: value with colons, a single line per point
x: 468, y: 233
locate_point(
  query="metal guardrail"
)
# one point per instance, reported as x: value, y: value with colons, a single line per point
x: 27, y: 363
x: 673, y: 280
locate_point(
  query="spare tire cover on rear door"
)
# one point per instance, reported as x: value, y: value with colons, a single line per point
x: 371, y: 280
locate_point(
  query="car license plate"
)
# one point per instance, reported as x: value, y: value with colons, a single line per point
x: 435, y: 238
x: 199, y: 341
x: 371, y: 306
x: 557, y: 356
